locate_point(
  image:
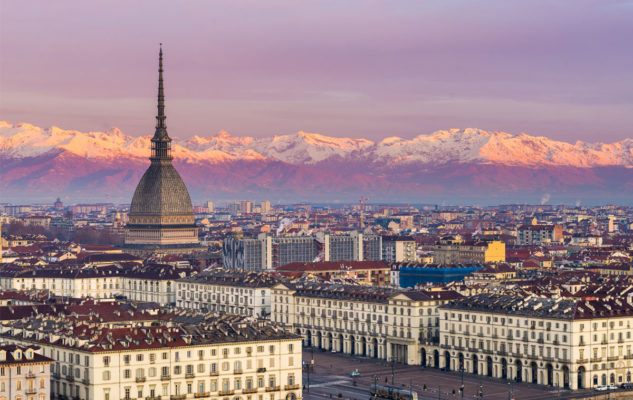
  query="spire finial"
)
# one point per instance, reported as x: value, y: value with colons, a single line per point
x: 161, y: 147
x: 160, y: 118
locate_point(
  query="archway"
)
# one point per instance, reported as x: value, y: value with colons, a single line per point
x: 581, y: 378
x: 549, y: 376
x: 475, y: 364
x: 447, y: 360
x: 363, y: 346
x: 423, y: 357
x: 352, y: 345
x: 489, y: 366
x: 374, y: 348
x: 534, y: 371
x: 565, y: 371
x: 436, y: 358
x: 519, y: 368
x: 504, y: 368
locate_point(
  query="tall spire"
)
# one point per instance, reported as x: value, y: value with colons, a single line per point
x: 161, y: 146
x: 160, y: 117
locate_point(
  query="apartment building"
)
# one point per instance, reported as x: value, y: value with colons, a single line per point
x: 377, y: 322
x: 453, y: 250
x: 539, y: 234
x: 398, y: 249
x: 221, y: 290
x: 149, y: 282
x: 215, y: 357
x: 24, y: 373
x: 550, y: 341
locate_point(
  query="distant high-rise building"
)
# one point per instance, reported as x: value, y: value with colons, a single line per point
x: 161, y: 217
x: 234, y: 209
x: 398, y: 249
x: 246, y: 206
x: 210, y: 206
x: 353, y: 247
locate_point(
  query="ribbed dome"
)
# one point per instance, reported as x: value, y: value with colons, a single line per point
x: 161, y: 191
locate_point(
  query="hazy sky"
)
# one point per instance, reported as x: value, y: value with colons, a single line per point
x: 556, y: 68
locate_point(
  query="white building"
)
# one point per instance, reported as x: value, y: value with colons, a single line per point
x: 218, y: 357
x: 232, y: 291
x: 377, y: 322
x: 564, y: 343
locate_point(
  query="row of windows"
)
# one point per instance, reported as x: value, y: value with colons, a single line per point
x: 189, y: 354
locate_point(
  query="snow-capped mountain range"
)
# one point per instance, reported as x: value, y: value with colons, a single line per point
x: 455, y: 145
x: 449, y: 165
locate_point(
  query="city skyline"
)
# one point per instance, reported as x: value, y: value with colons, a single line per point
x: 556, y: 70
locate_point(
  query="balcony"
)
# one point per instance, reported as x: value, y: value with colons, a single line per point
x: 189, y: 375
x: 226, y: 392
x: 273, y: 388
x: 165, y: 377
x: 249, y: 391
x: 200, y: 395
x: 140, y: 379
x: 292, y: 387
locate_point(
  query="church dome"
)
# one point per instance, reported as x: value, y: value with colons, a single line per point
x: 161, y: 191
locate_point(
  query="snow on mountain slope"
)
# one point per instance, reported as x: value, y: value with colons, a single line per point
x: 441, y: 147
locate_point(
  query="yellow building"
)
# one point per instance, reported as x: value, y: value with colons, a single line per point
x: 454, y: 250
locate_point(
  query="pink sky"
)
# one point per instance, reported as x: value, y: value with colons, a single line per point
x: 562, y: 69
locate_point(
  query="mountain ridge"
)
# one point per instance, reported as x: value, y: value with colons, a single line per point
x: 457, y: 165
